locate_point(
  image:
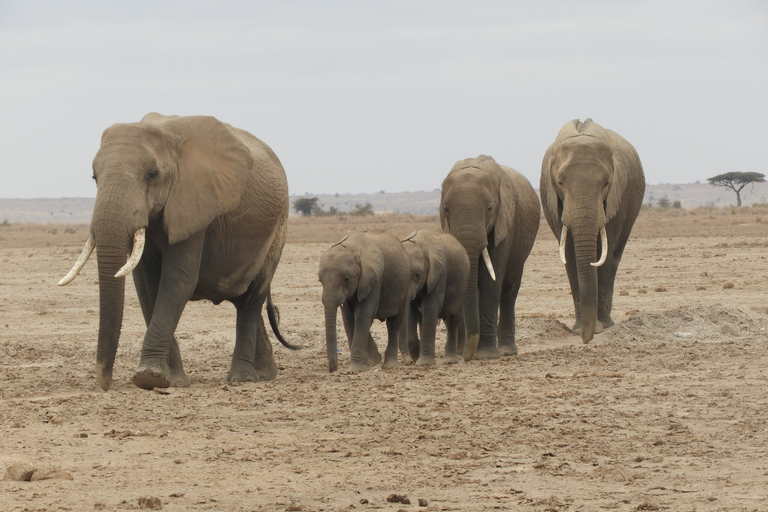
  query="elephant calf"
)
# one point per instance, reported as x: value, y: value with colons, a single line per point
x: 367, y: 276
x: 439, y: 276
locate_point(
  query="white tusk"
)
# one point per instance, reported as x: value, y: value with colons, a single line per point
x: 138, y: 249
x: 90, y: 244
x: 488, y: 264
x: 604, y: 243
x: 563, y: 235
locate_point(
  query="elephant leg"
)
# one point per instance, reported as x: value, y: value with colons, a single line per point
x: 411, y: 331
x: 374, y: 357
x: 348, y: 319
x: 606, y: 278
x: 160, y: 365
x: 461, y: 334
x: 428, y: 331
x: 403, y: 335
x: 146, y: 279
x: 452, y: 336
x: 394, y: 326
x: 506, y: 333
x: 488, y: 298
x: 252, y: 359
x: 361, y: 337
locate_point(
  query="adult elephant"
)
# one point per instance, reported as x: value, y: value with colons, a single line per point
x: 494, y: 213
x: 592, y: 187
x: 439, y: 275
x: 367, y: 275
x: 202, y: 208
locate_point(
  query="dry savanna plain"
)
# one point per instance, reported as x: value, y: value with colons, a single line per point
x: 667, y: 410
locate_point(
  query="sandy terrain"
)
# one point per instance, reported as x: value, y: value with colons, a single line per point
x: 668, y: 410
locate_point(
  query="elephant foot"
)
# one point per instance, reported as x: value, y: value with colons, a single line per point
x: 508, y: 349
x: 426, y: 361
x: 374, y: 358
x: 599, y: 326
x: 237, y: 375
x: 267, y: 372
x: 390, y: 364
x: 354, y: 368
x: 451, y: 358
x: 576, y: 329
x: 487, y: 352
x: 151, y: 377
x: 407, y: 359
x: 604, y: 323
x: 470, y: 346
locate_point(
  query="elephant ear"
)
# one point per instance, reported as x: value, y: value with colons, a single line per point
x: 624, y: 159
x: 549, y: 198
x: 214, y: 169
x: 437, y: 264
x: 507, y: 204
x: 371, y: 270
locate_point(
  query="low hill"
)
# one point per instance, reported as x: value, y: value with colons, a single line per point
x: 77, y: 210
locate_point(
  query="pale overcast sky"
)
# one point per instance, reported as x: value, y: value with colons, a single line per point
x: 358, y: 96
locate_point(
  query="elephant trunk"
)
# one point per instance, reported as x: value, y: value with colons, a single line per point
x: 113, y: 229
x: 331, y: 343
x: 472, y: 311
x: 585, y: 245
x: 474, y: 242
x: 111, y: 254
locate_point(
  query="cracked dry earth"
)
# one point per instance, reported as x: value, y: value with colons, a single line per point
x: 667, y: 410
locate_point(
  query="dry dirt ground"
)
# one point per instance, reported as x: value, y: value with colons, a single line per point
x: 668, y: 410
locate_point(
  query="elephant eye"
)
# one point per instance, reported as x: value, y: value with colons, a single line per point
x: 151, y: 175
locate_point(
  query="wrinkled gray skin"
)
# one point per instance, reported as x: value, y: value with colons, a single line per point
x: 591, y: 178
x: 439, y: 275
x: 485, y: 205
x: 367, y: 275
x: 214, y: 202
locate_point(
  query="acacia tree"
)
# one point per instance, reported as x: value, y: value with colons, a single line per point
x: 306, y: 206
x: 736, y: 181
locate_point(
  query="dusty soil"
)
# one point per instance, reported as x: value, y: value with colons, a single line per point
x: 667, y: 410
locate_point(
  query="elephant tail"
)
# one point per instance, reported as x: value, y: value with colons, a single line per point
x: 273, y: 313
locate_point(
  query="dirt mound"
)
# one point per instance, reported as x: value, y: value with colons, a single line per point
x: 701, y: 323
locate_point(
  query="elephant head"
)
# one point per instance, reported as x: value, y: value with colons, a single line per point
x: 349, y: 271
x: 584, y: 182
x: 477, y: 207
x: 428, y: 262
x: 182, y: 171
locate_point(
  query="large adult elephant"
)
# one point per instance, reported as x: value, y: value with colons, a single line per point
x: 202, y: 208
x: 592, y: 187
x: 494, y: 213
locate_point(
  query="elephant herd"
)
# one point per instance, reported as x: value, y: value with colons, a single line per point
x: 201, y: 210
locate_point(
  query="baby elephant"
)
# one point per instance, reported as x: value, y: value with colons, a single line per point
x: 367, y: 275
x: 439, y: 275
